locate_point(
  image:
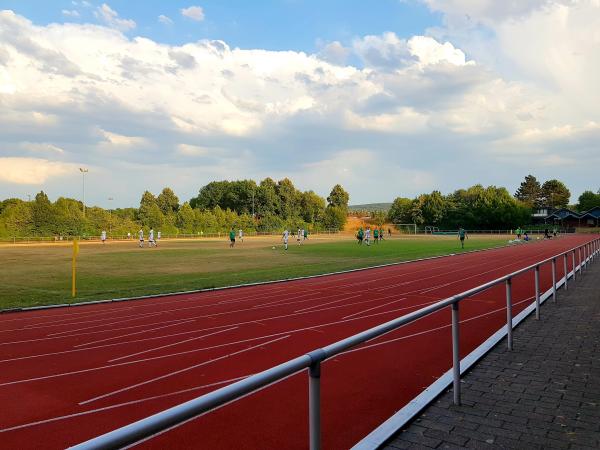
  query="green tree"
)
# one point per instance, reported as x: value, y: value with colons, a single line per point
x: 311, y: 206
x: 588, y: 200
x: 43, y: 215
x: 338, y: 197
x: 555, y: 194
x: 267, y: 202
x: 530, y: 192
x: 288, y: 197
x: 334, y: 217
x: 400, y: 211
x: 433, y: 208
x: 167, y: 201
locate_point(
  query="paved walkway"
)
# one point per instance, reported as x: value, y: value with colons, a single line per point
x: 544, y: 394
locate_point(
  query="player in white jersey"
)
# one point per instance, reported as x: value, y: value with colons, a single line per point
x: 285, y: 237
x: 368, y: 235
x: 151, y: 241
x: 103, y: 237
x: 241, y: 233
x: 158, y: 237
x: 141, y: 234
x: 299, y: 236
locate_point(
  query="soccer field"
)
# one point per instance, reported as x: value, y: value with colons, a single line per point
x: 36, y: 275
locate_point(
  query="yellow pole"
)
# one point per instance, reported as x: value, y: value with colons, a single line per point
x: 74, y: 268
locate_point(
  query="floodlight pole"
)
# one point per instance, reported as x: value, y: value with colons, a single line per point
x: 83, y: 172
x: 110, y: 199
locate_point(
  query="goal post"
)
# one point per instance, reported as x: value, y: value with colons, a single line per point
x: 406, y: 228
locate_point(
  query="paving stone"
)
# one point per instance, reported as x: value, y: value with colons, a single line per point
x: 544, y: 394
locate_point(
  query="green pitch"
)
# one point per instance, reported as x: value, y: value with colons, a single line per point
x: 41, y: 275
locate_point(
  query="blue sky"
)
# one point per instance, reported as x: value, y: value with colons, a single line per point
x: 266, y: 24
x: 388, y: 98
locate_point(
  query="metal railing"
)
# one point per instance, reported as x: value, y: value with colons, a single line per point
x: 162, y: 421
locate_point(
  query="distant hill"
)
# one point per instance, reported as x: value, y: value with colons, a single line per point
x: 370, y: 207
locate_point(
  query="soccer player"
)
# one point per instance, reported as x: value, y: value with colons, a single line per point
x: 380, y: 233
x: 305, y: 234
x: 141, y: 234
x: 241, y: 233
x: 389, y: 232
x: 285, y: 237
x: 376, y: 235
x: 368, y: 236
x: 151, y: 241
x: 462, y: 234
x: 103, y: 237
x: 158, y: 237
x: 231, y: 238
x: 360, y: 236
x: 299, y: 236
x: 518, y: 233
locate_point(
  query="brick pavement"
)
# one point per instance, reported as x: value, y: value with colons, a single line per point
x: 545, y: 394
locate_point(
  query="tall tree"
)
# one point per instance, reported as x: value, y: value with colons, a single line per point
x: 400, y: 211
x: 588, y: 200
x: 167, y: 201
x: 338, y: 197
x: 555, y: 194
x: 530, y: 192
x: 288, y: 197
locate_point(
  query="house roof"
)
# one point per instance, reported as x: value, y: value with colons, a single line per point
x: 564, y: 213
x: 593, y: 213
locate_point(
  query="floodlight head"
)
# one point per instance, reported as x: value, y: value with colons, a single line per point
x: 82, y: 170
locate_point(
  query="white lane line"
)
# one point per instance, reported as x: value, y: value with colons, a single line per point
x: 93, y: 332
x: 177, y: 372
x: 328, y: 303
x: 172, y: 344
x: 80, y: 371
x: 374, y: 307
x: 431, y: 329
x: 118, y: 322
x: 119, y: 405
x: 304, y: 294
x: 179, y: 322
x: 63, y: 322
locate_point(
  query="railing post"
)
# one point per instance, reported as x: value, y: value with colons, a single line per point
x: 314, y: 405
x: 574, y: 266
x: 554, y: 280
x: 509, y: 337
x: 581, y: 260
x: 537, y: 292
x: 566, y: 271
x: 455, y: 353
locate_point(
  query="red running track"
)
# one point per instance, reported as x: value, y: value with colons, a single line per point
x: 69, y: 374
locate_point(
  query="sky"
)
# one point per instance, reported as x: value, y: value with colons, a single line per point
x: 388, y: 98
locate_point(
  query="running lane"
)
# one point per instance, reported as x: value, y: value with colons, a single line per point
x: 68, y: 374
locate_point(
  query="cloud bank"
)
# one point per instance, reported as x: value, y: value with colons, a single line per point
x: 489, y: 97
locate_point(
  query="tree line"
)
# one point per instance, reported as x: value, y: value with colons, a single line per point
x: 479, y: 207
x: 268, y: 207
x: 553, y: 194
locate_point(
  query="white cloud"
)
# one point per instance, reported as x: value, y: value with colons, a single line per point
x: 119, y: 140
x: 31, y: 170
x: 165, y: 20
x: 195, y: 13
x: 414, y: 111
x: 111, y: 18
x: 70, y: 13
x: 42, y: 147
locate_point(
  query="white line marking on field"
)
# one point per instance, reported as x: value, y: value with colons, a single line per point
x: 179, y: 322
x: 171, y: 345
x: 328, y: 303
x: 177, y: 372
x: 118, y: 322
x: 119, y: 405
x: 374, y: 307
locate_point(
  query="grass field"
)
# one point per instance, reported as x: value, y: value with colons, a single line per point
x: 34, y: 275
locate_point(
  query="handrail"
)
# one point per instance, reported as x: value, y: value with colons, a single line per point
x: 164, y: 420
